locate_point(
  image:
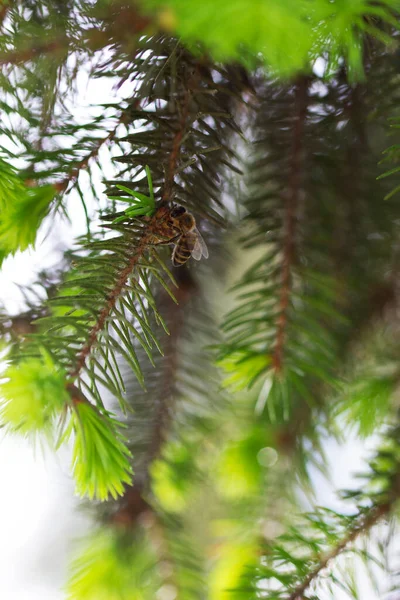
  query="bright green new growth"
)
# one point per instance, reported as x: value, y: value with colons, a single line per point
x: 32, y: 395
x: 110, y: 567
x: 100, y: 459
x: 141, y: 205
x: 243, y: 368
x: 287, y: 34
x: 22, y: 210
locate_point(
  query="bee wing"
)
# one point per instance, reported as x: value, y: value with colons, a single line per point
x: 200, y: 249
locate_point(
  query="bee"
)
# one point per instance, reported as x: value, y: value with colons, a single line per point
x: 178, y: 227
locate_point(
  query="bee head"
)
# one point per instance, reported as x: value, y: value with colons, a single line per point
x: 177, y: 211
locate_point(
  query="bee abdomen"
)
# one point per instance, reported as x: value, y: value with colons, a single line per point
x: 182, y: 251
x: 181, y: 255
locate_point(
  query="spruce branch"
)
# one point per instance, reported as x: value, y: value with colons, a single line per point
x: 291, y: 216
x: 112, y: 298
x: 175, y: 315
x: 176, y: 143
x: 364, y: 524
x: 100, y: 463
x: 71, y: 178
x: 102, y: 312
x: 147, y: 235
x: 299, y: 558
x: 109, y: 25
x: 19, y: 57
x: 287, y: 307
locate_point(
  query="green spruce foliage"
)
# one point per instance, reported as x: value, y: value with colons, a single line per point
x: 200, y: 400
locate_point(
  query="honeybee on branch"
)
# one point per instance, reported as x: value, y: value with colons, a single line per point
x: 178, y: 227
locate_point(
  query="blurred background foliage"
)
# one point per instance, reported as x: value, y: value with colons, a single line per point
x: 217, y: 384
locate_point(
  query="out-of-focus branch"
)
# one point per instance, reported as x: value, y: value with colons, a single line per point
x: 28, y: 54
x: 294, y: 186
x: 364, y: 525
x: 133, y: 503
x: 62, y: 185
x: 119, y: 22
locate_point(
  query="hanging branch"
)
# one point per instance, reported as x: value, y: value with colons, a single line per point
x: 105, y: 304
x: 133, y: 503
x: 107, y: 25
x: 112, y: 298
x: 145, y: 240
x: 366, y: 522
x: 291, y: 209
x: 176, y: 144
x: 61, y: 186
x: 134, y: 500
x: 306, y: 551
x: 23, y: 56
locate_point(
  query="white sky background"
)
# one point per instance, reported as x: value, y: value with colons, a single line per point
x: 39, y: 515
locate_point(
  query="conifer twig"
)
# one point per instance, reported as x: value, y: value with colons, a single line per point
x: 186, y: 290
x: 111, y: 301
x: 129, y: 20
x: 133, y: 501
x: 27, y: 54
x: 144, y: 242
x: 292, y: 200
x: 366, y: 522
x: 73, y: 175
x: 176, y: 311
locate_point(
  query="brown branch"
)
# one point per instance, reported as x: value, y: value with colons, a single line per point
x: 112, y: 299
x: 134, y: 502
x: 22, y: 56
x: 176, y: 144
x: 175, y: 318
x: 73, y: 175
x: 366, y: 523
x: 120, y: 23
x: 185, y: 290
x: 76, y: 395
x: 144, y: 242
x: 3, y: 11
x: 292, y: 199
